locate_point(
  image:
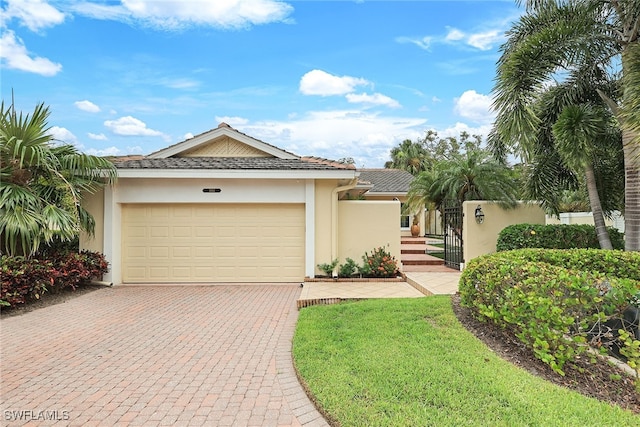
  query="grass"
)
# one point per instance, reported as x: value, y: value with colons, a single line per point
x: 409, y: 362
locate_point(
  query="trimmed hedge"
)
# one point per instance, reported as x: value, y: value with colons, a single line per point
x: 25, y: 279
x: 554, y: 236
x: 557, y: 302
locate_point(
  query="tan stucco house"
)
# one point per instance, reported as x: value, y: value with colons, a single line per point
x: 226, y: 207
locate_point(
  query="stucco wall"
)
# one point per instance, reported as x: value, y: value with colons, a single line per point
x: 364, y: 225
x: 323, y: 223
x: 480, y: 239
x: 94, y: 203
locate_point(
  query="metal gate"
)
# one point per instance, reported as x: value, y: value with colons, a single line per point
x: 452, y: 210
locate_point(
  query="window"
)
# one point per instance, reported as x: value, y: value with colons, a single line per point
x: 405, y: 221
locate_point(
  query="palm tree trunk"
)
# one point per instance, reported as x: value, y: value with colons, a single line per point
x: 631, y: 148
x: 596, y: 208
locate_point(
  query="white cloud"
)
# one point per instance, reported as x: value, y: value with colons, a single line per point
x: 176, y: 14
x: 87, y: 106
x: 187, y: 135
x: 97, y: 136
x: 481, y: 40
x: 373, y: 99
x: 474, y: 106
x: 63, y: 135
x: 113, y: 151
x: 455, y: 130
x: 367, y: 137
x: 33, y: 14
x: 318, y: 82
x: 14, y: 55
x: 454, y: 34
x: 423, y: 43
x: 486, y: 40
x: 130, y: 126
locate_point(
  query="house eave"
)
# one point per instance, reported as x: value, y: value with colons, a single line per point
x: 237, y: 173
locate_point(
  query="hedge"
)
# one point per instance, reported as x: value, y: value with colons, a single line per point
x: 554, y: 236
x: 558, y: 302
x: 25, y: 279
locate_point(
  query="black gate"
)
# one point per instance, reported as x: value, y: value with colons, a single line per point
x: 452, y: 210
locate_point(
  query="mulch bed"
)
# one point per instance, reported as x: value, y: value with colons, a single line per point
x: 48, y: 299
x: 588, y: 379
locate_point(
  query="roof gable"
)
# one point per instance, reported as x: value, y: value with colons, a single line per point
x: 224, y: 141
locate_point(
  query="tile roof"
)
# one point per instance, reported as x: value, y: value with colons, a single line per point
x: 386, y: 180
x: 228, y: 163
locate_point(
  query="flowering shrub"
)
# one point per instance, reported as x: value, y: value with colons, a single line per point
x: 25, y: 279
x: 379, y: 263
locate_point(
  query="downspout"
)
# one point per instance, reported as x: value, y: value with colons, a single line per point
x: 334, y: 215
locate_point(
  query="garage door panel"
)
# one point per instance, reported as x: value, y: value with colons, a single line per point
x: 213, y: 243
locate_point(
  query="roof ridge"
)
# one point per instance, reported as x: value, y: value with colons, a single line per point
x: 334, y: 163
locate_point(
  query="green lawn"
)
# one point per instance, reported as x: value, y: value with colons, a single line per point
x: 409, y: 362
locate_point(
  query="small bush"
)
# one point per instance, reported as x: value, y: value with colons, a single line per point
x: 380, y: 263
x: 551, y: 300
x: 554, y: 236
x: 348, y: 269
x: 25, y: 279
x: 328, y: 268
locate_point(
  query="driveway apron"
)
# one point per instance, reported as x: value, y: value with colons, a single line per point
x: 156, y: 355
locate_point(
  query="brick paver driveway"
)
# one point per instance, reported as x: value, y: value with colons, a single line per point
x: 165, y: 355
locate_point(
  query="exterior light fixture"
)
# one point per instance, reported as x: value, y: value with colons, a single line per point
x: 479, y: 215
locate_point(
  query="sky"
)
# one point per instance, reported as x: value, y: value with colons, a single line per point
x: 331, y: 79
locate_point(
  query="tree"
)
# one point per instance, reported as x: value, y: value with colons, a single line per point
x: 42, y: 184
x: 409, y: 156
x: 473, y: 175
x: 561, y: 38
x: 576, y: 134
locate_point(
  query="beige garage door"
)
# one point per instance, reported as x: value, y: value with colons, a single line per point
x: 177, y: 243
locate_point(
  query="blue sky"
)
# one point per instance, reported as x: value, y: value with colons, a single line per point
x: 331, y: 79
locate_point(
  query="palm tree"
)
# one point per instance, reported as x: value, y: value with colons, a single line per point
x: 565, y: 37
x: 409, y: 156
x: 41, y: 184
x: 576, y: 134
x: 474, y: 175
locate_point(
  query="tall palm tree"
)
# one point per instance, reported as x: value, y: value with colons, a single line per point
x: 558, y: 38
x: 576, y: 134
x: 409, y: 156
x: 42, y: 184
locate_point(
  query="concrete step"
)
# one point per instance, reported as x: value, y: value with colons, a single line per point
x: 420, y: 259
x: 413, y: 240
x: 413, y: 249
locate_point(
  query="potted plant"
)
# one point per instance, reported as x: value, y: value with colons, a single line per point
x: 415, y: 227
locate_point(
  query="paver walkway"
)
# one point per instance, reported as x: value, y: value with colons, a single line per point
x: 171, y: 355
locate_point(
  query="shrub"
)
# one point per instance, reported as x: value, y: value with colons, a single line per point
x: 24, y: 279
x: 380, y: 263
x: 553, y: 301
x: 328, y: 268
x: 348, y: 269
x: 554, y: 236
